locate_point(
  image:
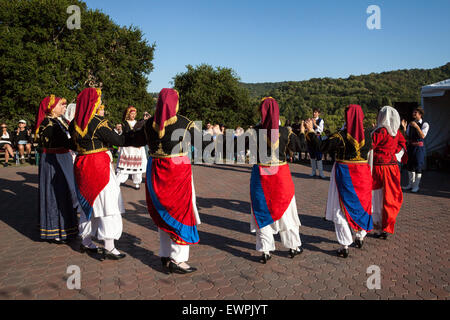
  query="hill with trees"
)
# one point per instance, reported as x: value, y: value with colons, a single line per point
x: 372, y: 91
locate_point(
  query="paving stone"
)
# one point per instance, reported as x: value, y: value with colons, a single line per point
x: 413, y: 261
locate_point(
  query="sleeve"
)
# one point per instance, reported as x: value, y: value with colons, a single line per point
x: 108, y: 135
x: 133, y: 138
x: 378, y: 136
x: 401, y: 142
x: 425, y: 129
x: 319, y: 129
x: 329, y: 145
x: 206, y: 139
x: 45, y: 133
x: 368, y: 143
x: 295, y: 142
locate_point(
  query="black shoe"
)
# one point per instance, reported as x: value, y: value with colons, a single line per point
x: 165, y: 262
x: 109, y: 255
x: 342, y: 253
x: 58, y: 241
x: 84, y: 249
x: 174, y: 268
x: 293, y: 253
x: 384, y: 235
x: 377, y: 235
x: 359, y: 243
x: 264, y: 258
x: 5, y: 164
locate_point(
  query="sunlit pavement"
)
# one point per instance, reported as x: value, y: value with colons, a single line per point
x: 413, y: 263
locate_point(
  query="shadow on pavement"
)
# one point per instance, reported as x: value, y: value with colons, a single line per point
x: 19, y: 205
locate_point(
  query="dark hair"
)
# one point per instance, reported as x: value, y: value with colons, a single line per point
x: 316, y: 109
x: 420, y: 110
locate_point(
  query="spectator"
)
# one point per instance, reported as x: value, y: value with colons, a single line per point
x: 416, y: 132
x: 6, y: 144
x: 22, y: 140
x: 118, y: 129
x: 314, y: 154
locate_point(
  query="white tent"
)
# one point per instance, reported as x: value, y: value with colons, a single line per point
x: 436, y: 103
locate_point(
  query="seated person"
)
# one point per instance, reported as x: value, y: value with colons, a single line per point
x: 22, y: 140
x: 6, y: 143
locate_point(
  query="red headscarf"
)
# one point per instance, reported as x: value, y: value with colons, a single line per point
x: 45, y: 108
x: 166, y: 110
x: 354, y: 117
x: 270, y: 118
x: 88, y: 102
x: 127, y: 112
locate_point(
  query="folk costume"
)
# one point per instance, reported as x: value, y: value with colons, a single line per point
x: 273, y: 205
x: 97, y: 189
x: 170, y: 189
x: 349, y: 203
x: 388, y: 145
x: 58, y: 202
x: 314, y: 153
x: 416, y: 154
x: 131, y: 160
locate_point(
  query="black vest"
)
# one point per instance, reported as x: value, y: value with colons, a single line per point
x: 414, y: 135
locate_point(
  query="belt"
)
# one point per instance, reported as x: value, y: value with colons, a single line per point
x: 417, y: 144
x: 55, y: 150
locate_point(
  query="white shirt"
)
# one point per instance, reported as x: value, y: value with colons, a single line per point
x: 425, y: 128
x: 319, y: 128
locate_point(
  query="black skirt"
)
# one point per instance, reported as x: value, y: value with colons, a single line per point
x: 58, y: 203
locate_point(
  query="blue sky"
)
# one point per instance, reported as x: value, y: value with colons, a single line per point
x: 271, y: 41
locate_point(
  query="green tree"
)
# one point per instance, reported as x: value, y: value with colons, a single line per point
x: 40, y: 56
x: 214, y: 95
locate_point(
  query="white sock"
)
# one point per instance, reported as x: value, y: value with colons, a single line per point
x: 109, y: 245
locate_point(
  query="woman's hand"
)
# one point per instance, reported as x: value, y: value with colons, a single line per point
x: 309, y: 125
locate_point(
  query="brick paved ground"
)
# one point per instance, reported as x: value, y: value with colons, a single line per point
x: 414, y: 262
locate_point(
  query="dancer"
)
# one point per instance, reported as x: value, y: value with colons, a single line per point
x: 97, y: 189
x: 274, y: 209
x: 131, y: 160
x: 349, y: 203
x: 170, y: 189
x: 416, y: 132
x: 58, y: 202
x: 388, y: 145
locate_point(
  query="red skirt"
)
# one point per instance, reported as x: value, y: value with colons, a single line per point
x: 169, y: 198
x: 387, y: 177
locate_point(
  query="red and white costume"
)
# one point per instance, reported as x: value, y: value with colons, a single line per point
x: 388, y: 146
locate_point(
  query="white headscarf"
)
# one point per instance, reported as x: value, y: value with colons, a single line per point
x: 70, y: 112
x: 388, y: 118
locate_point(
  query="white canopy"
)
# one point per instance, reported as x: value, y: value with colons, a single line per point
x: 436, y: 103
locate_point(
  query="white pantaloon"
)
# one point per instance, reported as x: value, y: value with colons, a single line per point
x: 123, y: 177
x: 334, y: 213
x: 106, y: 218
x: 287, y: 226
x: 377, y: 210
x: 103, y: 228
x: 168, y: 248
